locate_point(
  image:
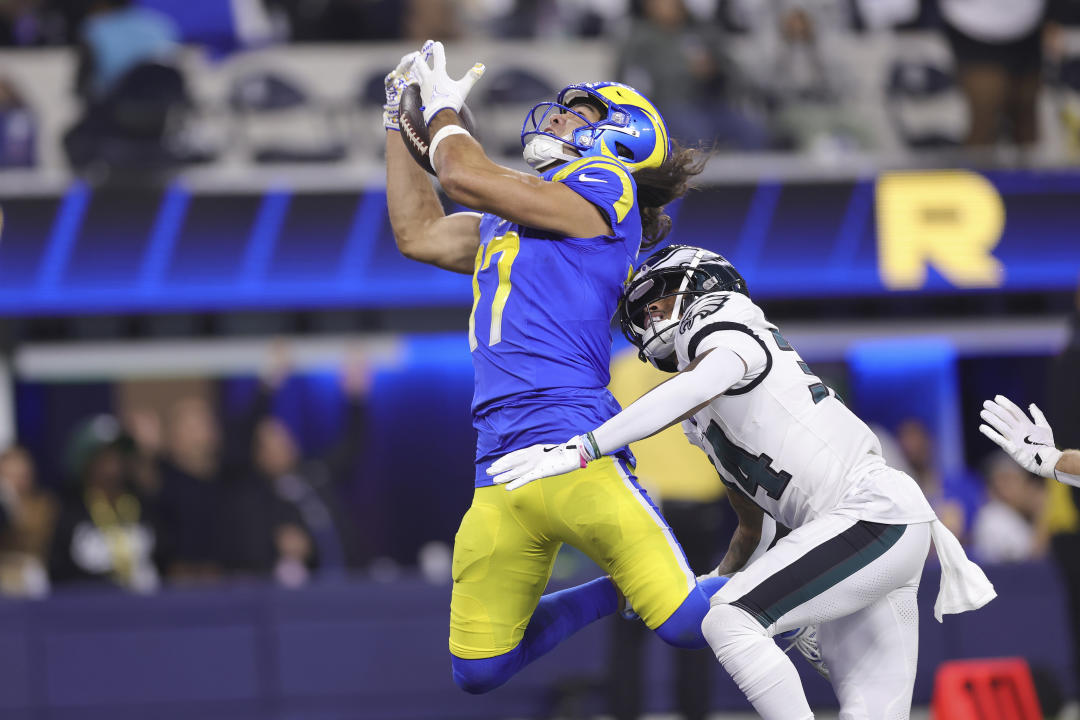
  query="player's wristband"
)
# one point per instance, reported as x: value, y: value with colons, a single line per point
x: 443, y: 133
x: 591, y: 448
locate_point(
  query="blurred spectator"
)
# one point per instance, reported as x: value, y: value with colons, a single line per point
x: 268, y: 535
x: 801, y: 68
x: 918, y: 448
x: 340, y: 20
x: 222, y: 26
x: 288, y: 516
x: 103, y: 534
x: 998, y: 48
x: 135, y: 96
x: 1063, y: 412
x: 19, y: 23
x: 192, y: 525
x: 27, y: 520
x: 425, y: 19
x: 117, y: 37
x: 143, y: 425
x: 678, y: 64
x: 1010, y: 526
x: 17, y: 128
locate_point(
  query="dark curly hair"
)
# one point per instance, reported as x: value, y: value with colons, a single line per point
x: 658, y: 186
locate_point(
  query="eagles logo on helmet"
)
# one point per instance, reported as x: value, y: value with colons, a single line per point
x: 679, y: 271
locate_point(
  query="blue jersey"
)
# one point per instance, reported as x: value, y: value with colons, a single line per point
x: 540, y: 328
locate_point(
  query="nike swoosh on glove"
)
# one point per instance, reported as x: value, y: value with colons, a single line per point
x: 521, y: 467
x: 1031, y: 444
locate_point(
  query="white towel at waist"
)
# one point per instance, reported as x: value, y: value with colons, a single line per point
x: 964, y: 586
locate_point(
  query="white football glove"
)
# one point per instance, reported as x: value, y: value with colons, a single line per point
x: 520, y: 467
x: 437, y: 90
x: 395, y: 83
x: 1031, y: 444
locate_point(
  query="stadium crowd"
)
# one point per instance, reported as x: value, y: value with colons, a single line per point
x: 165, y: 490
x: 170, y: 490
x: 795, y: 95
x: 150, y: 496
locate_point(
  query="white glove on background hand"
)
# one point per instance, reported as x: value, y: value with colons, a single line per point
x: 521, y: 467
x: 395, y: 83
x: 437, y: 90
x: 1031, y: 444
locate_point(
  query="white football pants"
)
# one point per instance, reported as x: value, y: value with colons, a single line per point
x: 858, y: 581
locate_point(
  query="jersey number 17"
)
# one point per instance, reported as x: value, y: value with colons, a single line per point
x: 508, y: 245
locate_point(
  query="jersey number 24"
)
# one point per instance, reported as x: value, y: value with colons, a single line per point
x: 751, y: 471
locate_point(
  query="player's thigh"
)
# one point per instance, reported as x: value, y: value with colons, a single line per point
x: 603, y: 512
x: 872, y: 655
x: 500, y: 568
x: 828, y: 568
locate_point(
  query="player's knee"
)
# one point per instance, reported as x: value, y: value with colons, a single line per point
x: 683, y: 628
x: 477, y: 677
x: 681, y: 634
x: 727, y: 629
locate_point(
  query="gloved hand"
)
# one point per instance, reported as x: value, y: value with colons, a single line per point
x: 520, y: 467
x: 395, y: 83
x: 1031, y: 444
x: 437, y: 90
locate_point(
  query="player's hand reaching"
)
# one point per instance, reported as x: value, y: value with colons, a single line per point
x: 395, y: 83
x: 437, y: 90
x: 520, y: 467
x: 1031, y: 444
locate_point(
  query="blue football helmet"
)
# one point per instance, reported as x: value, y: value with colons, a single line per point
x: 630, y: 128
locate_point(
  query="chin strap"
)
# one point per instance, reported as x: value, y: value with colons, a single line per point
x: 542, y: 151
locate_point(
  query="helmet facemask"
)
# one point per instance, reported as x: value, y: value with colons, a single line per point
x: 655, y: 339
x: 542, y: 148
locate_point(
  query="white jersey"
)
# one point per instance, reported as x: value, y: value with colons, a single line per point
x: 780, y: 435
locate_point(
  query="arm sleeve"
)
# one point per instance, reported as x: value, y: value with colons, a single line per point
x: 744, y: 344
x: 666, y: 403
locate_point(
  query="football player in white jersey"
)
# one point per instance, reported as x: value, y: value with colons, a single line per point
x: 786, y: 446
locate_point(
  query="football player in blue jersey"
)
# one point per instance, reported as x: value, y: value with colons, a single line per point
x: 548, y: 255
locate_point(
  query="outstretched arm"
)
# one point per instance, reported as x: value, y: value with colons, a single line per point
x: 471, y: 179
x: 421, y: 229
x: 712, y: 373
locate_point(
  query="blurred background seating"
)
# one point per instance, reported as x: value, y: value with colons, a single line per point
x: 222, y: 387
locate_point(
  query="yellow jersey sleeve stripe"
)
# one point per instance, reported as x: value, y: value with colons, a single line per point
x: 626, y: 199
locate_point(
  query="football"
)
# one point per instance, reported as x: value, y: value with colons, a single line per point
x: 414, y: 130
